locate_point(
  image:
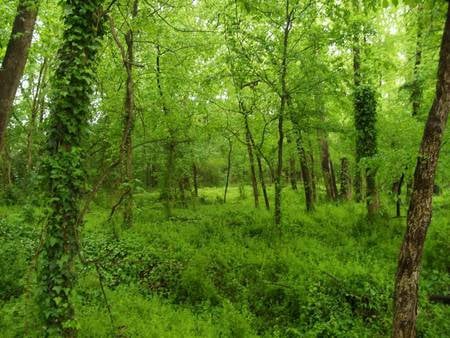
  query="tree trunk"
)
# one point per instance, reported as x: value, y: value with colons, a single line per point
x: 15, y: 59
x: 312, y: 167
x: 327, y: 169
x: 284, y: 97
x: 263, y: 182
x: 420, y: 208
x: 397, y: 190
x: 306, y: 174
x: 195, y: 179
x: 292, y: 173
x: 251, y: 157
x: 227, y: 182
x: 64, y: 176
x: 345, y: 177
x: 35, y: 107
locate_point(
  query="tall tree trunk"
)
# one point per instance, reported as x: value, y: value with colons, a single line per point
x: 126, y: 147
x: 227, y: 181
x: 68, y: 122
x: 420, y: 208
x: 251, y: 157
x: 284, y: 97
x: 327, y: 169
x: 167, y: 188
x: 129, y: 119
x: 357, y: 84
x: 35, y: 107
x: 345, y: 178
x: 15, y: 59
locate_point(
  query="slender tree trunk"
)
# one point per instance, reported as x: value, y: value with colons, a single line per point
x: 327, y: 169
x: 195, y: 179
x: 284, y: 97
x: 306, y: 173
x: 167, y: 193
x: 397, y: 190
x: 227, y: 181
x: 35, y: 107
x: 263, y: 182
x: 345, y: 177
x: 420, y: 208
x: 251, y: 157
x: 15, y: 59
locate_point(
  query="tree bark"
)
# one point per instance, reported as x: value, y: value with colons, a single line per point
x: 420, y: 208
x: 345, y: 178
x: 306, y: 173
x: 15, y: 60
x: 327, y: 169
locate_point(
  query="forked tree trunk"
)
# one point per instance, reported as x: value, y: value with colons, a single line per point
x: 15, y: 59
x: 420, y: 208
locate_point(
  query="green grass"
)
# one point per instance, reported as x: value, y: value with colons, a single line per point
x: 222, y: 270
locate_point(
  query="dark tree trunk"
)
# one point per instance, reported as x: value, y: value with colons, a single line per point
x: 15, y: 60
x: 420, y: 208
x: 195, y: 179
x: 345, y: 178
x: 397, y: 190
x: 327, y: 169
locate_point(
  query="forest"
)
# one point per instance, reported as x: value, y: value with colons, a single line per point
x: 224, y: 168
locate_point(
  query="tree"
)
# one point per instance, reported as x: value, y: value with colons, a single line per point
x: 15, y: 59
x: 420, y: 208
x: 69, y: 114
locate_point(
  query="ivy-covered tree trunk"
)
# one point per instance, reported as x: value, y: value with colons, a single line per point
x: 72, y: 86
x: 195, y: 179
x: 227, y: 180
x: 420, y: 208
x: 15, y: 59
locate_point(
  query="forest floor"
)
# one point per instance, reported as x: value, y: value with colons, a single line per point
x: 222, y: 270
